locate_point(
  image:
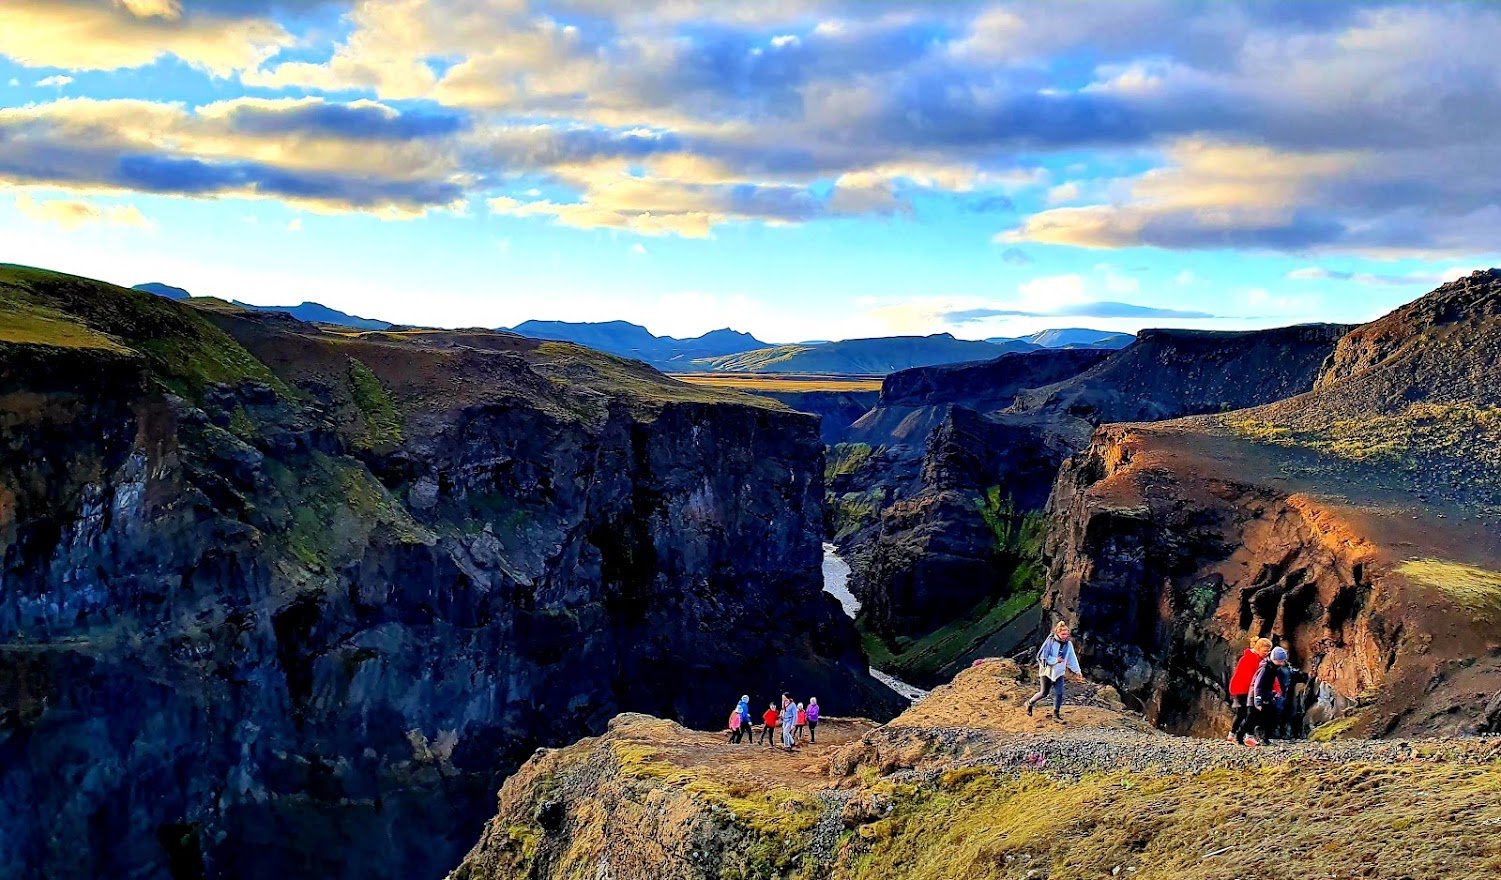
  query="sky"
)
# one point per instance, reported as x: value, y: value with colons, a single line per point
x: 798, y: 169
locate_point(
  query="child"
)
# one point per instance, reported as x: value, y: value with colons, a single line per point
x: 769, y: 720
x: 802, y: 722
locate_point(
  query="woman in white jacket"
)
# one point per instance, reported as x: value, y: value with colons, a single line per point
x: 1056, y: 661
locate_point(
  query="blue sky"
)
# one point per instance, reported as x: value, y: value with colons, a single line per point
x: 795, y: 168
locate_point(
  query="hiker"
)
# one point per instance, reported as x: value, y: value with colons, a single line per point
x: 813, y: 719
x: 802, y: 722
x: 1240, y: 687
x: 1056, y: 661
x: 747, y: 726
x: 735, y: 730
x: 1268, y: 692
x: 769, y: 724
x: 789, y: 721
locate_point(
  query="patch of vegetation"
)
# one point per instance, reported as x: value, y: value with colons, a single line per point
x: 1420, y: 432
x: 383, y: 421
x: 1342, y: 821
x: 1333, y: 730
x: 1019, y: 539
x: 758, y: 360
x: 777, y: 820
x: 937, y: 655
x: 332, y: 505
x: 781, y: 382
x: 850, y: 512
x: 631, y: 381
x: 242, y: 425
x: 844, y: 459
x: 1477, y: 590
x: 185, y: 351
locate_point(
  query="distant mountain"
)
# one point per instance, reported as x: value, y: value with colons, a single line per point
x: 1072, y: 337
x: 165, y: 290
x: 317, y: 313
x: 876, y: 357
x: 311, y: 312
x: 625, y: 339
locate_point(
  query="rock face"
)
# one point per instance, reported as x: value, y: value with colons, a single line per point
x: 928, y: 554
x: 280, y: 602
x: 1349, y: 524
x: 836, y: 410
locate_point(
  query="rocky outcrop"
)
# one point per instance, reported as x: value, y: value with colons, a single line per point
x: 927, y: 555
x: 285, y: 602
x: 966, y: 784
x: 1348, y: 524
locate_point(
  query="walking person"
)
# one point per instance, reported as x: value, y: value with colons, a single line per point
x: 747, y: 726
x: 1240, y: 688
x: 802, y: 722
x: 789, y: 721
x: 812, y: 719
x: 769, y: 720
x: 1268, y: 690
x: 1056, y: 661
x: 734, y: 724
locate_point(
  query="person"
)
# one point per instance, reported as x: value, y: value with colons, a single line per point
x: 802, y: 722
x: 812, y: 719
x: 735, y: 730
x: 769, y: 724
x: 746, y: 725
x: 1240, y: 687
x: 789, y: 721
x: 1268, y: 689
x: 1056, y: 661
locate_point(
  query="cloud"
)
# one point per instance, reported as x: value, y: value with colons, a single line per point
x: 1376, y: 279
x: 94, y: 35
x: 357, y: 157
x: 1264, y: 125
x: 55, y: 81
x: 71, y: 214
x: 1094, y: 309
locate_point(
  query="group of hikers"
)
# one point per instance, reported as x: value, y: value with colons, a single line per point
x: 797, y: 721
x: 1260, y: 692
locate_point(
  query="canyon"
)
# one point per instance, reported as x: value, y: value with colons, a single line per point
x: 286, y: 601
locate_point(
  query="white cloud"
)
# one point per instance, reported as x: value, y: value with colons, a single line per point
x: 55, y: 81
x: 71, y: 214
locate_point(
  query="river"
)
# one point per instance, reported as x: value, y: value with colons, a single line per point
x: 836, y: 576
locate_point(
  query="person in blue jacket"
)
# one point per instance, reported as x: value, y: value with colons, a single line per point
x: 1056, y: 661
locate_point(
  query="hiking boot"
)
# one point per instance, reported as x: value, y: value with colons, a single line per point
x: 1230, y: 738
x: 1251, y: 741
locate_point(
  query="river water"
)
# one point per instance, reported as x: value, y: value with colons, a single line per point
x: 836, y: 576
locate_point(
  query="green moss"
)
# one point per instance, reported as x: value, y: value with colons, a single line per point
x: 1333, y: 730
x: 242, y: 426
x: 1419, y: 433
x: 383, y: 421
x: 938, y: 654
x: 850, y: 512
x: 844, y: 459
x: 185, y: 351
x: 332, y: 505
x: 1476, y: 590
x: 635, y: 383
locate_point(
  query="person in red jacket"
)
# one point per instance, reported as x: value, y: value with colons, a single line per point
x: 1240, y: 688
x: 770, y: 718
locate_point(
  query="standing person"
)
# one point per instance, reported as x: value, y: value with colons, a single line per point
x: 789, y: 721
x: 747, y: 726
x: 1240, y: 688
x: 802, y: 722
x: 1268, y: 688
x: 813, y: 719
x: 769, y: 724
x: 1056, y: 661
x: 734, y: 723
